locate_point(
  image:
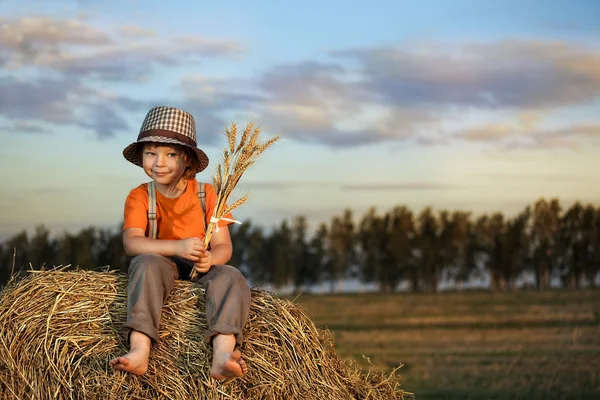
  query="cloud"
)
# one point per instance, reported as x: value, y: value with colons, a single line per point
x: 565, y: 137
x: 307, y: 83
x: 414, y: 93
x: 49, y: 190
x: 267, y: 185
x: 527, y: 134
x: 493, y: 93
x: 319, y: 102
x: 511, y: 73
x: 525, y: 177
x: 66, y: 53
x: 136, y: 31
x: 45, y: 99
x: 104, y: 120
x: 77, y: 48
x: 35, y: 106
x: 20, y: 33
x: 132, y: 61
x: 311, y: 102
x: 301, y: 100
x: 411, y: 186
x: 40, y: 40
x: 590, y: 129
x: 22, y: 127
x: 378, y: 95
x: 360, y: 186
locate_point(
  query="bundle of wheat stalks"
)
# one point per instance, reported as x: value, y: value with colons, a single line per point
x: 237, y: 158
x: 59, y: 329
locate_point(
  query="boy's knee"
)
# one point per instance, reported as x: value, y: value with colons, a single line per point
x: 147, y: 262
x: 232, y: 276
x: 146, y: 259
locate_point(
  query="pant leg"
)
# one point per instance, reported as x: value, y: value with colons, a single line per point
x: 227, y: 301
x: 151, y: 279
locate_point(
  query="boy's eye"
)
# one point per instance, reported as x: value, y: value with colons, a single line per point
x: 172, y: 154
x: 150, y: 153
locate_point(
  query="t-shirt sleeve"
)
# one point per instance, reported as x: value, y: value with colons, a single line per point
x: 136, y: 209
x: 211, y: 202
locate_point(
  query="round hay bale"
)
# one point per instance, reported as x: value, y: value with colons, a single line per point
x: 59, y: 329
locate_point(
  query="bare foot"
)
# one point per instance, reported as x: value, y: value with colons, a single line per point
x: 228, y: 365
x: 136, y: 361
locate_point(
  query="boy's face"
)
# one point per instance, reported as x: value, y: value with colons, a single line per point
x: 164, y: 164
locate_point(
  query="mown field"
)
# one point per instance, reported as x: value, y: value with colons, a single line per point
x: 473, y: 345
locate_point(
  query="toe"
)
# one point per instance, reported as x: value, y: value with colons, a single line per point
x: 115, y: 361
x: 243, y: 366
x: 119, y: 367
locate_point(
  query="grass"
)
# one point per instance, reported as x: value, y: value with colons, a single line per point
x: 472, y: 345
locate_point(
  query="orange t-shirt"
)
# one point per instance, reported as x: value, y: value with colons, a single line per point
x: 177, y: 218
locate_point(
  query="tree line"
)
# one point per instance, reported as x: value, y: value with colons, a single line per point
x: 543, y: 241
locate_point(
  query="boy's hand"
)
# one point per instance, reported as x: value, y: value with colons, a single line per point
x: 190, y: 248
x: 204, y: 262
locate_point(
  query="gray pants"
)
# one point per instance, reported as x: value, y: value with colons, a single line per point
x: 151, y: 279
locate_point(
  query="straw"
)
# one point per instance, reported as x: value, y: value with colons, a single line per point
x: 59, y: 329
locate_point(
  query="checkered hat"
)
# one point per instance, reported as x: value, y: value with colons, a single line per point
x: 165, y: 124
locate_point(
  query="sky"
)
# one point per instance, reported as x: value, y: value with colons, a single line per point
x: 456, y: 105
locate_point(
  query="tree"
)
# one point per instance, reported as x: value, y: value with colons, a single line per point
x: 258, y: 257
x: 515, y: 248
x: 428, y: 245
x: 16, y: 250
x: 370, y: 232
x: 593, y: 267
x: 546, y: 219
x: 576, y: 237
x: 487, y: 248
x: 454, y: 242
x: 269, y: 256
x: 110, y: 250
x: 383, y: 249
x: 300, y: 265
x: 41, y: 248
x: 342, y: 241
x: 240, y: 239
x: 400, y: 227
x: 475, y: 255
x: 318, y: 260
x: 281, y: 243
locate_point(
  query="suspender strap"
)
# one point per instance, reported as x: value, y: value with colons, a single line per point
x: 152, y: 209
x: 202, y: 195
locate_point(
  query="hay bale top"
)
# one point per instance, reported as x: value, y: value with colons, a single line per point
x: 59, y: 329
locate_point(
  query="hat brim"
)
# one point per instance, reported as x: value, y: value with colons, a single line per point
x: 131, y: 154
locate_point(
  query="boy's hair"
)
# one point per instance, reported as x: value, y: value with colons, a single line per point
x: 189, y: 156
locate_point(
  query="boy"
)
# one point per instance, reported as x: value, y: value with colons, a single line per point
x: 167, y: 151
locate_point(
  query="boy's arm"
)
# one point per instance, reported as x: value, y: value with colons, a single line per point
x: 135, y: 243
x: 219, y: 253
x: 221, y: 248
